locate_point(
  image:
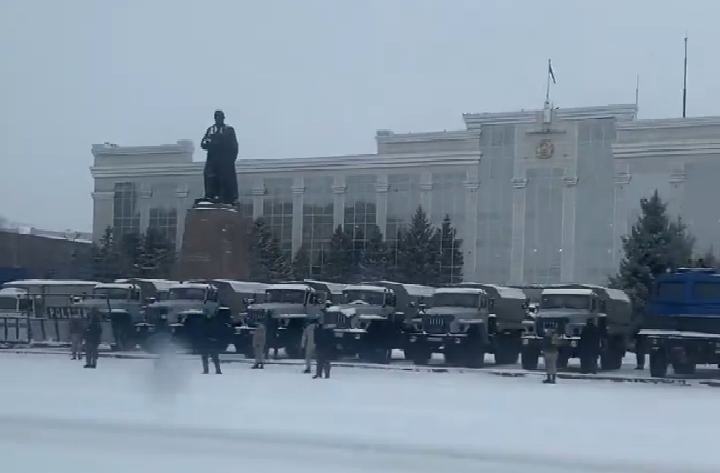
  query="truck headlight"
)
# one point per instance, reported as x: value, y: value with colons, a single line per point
x: 525, y: 341
x: 573, y: 344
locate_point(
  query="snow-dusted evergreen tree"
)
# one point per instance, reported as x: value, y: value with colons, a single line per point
x: 155, y: 256
x: 418, y: 259
x: 340, y: 263
x: 301, y: 266
x: 374, y: 258
x: 268, y: 262
x: 451, y: 255
x: 654, y: 246
x: 106, y: 258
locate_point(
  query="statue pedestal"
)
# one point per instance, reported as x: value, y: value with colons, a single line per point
x: 214, y: 244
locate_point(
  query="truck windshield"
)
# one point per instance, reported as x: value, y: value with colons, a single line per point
x: 290, y: 296
x: 113, y: 293
x: 187, y: 294
x: 8, y: 303
x: 370, y: 297
x: 452, y: 299
x: 566, y: 301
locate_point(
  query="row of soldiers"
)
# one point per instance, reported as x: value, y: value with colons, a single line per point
x: 317, y: 343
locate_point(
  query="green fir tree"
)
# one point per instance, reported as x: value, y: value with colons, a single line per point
x: 339, y: 265
x: 654, y: 246
x: 418, y: 260
x: 374, y: 259
x: 301, y: 266
x: 267, y: 260
x: 451, y: 255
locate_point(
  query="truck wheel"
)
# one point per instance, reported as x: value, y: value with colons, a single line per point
x: 611, y: 361
x: 562, y: 361
x: 658, y: 365
x: 421, y: 357
x: 475, y: 358
x: 293, y: 352
x: 530, y: 359
x: 687, y: 368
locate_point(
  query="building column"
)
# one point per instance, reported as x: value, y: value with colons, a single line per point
x: 677, y: 183
x: 381, y: 202
x: 620, y: 215
x: 298, y: 191
x: 338, y: 189
x: 567, y: 245
x: 103, y: 208
x: 143, y: 204
x: 426, y: 187
x: 258, y: 194
x: 517, y: 245
x: 469, y: 235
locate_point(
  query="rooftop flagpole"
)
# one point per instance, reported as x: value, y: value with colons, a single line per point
x: 685, y: 68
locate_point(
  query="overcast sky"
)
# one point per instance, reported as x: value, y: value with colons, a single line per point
x: 312, y: 77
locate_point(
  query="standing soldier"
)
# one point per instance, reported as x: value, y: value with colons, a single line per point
x: 211, y: 333
x: 551, y: 346
x: 307, y: 342
x: 93, y: 335
x: 324, y: 344
x: 258, y: 342
x: 77, y: 330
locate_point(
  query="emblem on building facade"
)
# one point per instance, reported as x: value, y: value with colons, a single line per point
x: 545, y: 149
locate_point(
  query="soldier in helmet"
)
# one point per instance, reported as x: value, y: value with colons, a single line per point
x: 258, y: 342
x: 551, y: 346
x: 307, y: 343
x: 77, y: 330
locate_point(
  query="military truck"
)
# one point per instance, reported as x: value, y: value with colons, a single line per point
x: 681, y: 325
x: 567, y: 308
x: 236, y: 295
x: 466, y: 321
x: 285, y: 312
x: 367, y: 323
x: 185, y: 303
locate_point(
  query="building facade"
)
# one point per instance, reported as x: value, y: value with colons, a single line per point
x: 537, y: 196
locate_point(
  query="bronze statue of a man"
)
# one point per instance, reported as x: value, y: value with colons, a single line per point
x: 221, y: 145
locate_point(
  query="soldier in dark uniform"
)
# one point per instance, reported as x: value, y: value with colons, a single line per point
x: 93, y: 336
x: 324, y: 346
x: 211, y: 333
x: 221, y: 145
x: 589, y: 347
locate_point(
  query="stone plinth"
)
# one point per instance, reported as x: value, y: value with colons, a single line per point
x: 214, y: 244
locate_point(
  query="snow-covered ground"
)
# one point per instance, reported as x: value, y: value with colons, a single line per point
x: 127, y: 416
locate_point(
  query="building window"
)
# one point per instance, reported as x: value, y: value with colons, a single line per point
x: 164, y: 222
x: 543, y: 226
x: 126, y: 217
x: 317, y: 219
x: 360, y: 207
x: 278, y: 210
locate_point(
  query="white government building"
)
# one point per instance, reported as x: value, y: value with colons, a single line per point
x: 537, y: 196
